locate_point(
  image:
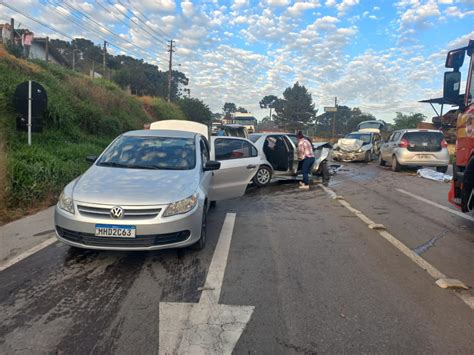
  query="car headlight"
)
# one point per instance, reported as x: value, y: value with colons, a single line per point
x: 66, y: 203
x: 360, y: 150
x: 182, y: 206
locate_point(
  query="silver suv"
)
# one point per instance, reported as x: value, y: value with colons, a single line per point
x: 415, y: 147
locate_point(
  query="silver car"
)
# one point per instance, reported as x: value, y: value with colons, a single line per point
x: 280, y: 153
x: 152, y: 189
x: 415, y: 147
x: 357, y: 146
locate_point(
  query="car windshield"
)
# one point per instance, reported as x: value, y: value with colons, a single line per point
x: 363, y: 137
x: 254, y: 137
x: 136, y: 152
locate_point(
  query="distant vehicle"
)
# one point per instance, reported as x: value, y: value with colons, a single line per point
x: 371, y: 126
x: 245, y: 119
x: 415, y: 147
x: 151, y: 189
x: 280, y: 152
x: 230, y: 130
x: 363, y: 145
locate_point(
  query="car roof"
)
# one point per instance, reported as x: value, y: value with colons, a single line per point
x: 410, y: 130
x: 362, y: 132
x: 160, y: 133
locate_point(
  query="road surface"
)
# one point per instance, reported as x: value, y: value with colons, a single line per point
x: 318, y: 278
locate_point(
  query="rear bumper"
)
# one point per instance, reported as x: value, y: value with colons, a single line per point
x: 408, y: 158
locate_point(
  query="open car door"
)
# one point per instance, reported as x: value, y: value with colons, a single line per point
x: 239, y: 163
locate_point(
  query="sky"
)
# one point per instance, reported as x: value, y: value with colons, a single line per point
x: 380, y: 56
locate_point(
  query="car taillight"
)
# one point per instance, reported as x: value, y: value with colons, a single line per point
x: 403, y: 143
x: 444, y: 144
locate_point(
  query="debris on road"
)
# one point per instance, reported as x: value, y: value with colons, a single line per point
x: 451, y: 283
x: 433, y: 175
x: 334, y: 168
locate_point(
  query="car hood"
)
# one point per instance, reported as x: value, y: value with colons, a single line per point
x: 120, y: 186
x: 352, y: 145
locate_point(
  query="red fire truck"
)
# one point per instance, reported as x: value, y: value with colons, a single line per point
x: 461, y: 193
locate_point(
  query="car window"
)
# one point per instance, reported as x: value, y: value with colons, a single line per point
x: 366, y: 138
x: 233, y: 149
x: 254, y: 137
x: 136, y: 152
x: 424, y: 141
x: 204, y: 152
x: 395, y: 137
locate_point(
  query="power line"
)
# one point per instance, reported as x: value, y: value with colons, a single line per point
x: 145, y: 17
x: 75, y: 10
x: 131, y: 19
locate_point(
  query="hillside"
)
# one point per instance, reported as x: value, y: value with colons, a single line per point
x: 82, y: 117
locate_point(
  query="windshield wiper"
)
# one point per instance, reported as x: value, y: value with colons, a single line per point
x: 113, y: 164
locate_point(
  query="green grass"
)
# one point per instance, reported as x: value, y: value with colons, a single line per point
x: 82, y: 117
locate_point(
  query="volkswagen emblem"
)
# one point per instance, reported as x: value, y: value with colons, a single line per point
x: 116, y: 212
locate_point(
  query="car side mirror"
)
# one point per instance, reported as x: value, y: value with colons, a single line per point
x: 452, y: 85
x: 91, y: 159
x: 212, y: 165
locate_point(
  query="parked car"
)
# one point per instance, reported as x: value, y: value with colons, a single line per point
x: 415, y: 147
x: 151, y: 189
x: 363, y: 145
x: 230, y: 130
x: 280, y: 152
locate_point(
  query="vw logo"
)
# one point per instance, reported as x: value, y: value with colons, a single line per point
x: 116, y: 212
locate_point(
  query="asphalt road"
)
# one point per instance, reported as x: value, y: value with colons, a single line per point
x: 320, y: 280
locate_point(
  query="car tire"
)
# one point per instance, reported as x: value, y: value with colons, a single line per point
x: 324, y: 170
x: 213, y: 204
x: 367, y: 157
x: 442, y: 169
x: 395, y: 164
x: 201, y: 243
x: 263, y: 176
x: 381, y: 161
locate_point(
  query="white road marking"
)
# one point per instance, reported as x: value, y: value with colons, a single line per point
x: 27, y: 253
x: 430, y: 269
x: 450, y: 210
x: 205, y: 327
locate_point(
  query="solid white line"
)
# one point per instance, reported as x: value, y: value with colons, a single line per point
x: 450, y: 210
x: 27, y: 253
x: 430, y: 269
x: 215, y: 276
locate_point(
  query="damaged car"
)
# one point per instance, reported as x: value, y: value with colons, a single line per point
x: 357, y: 146
x: 281, y: 154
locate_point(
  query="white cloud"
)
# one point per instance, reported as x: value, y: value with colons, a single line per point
x: 330, y: 3
x: 299, y: 7
x: 277, y: 2
x: 345, y: 5
x: 237, y: 4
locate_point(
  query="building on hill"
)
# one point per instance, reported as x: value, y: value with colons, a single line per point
x: 38, y: 51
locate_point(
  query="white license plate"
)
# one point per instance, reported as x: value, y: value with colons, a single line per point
x: 424, y: 156
x: 114, y: 231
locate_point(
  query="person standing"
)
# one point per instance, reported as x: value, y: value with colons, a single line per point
x: 306, y: 155
x: 26, y: 41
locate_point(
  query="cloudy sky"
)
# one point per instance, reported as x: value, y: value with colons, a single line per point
x: 381, y: 56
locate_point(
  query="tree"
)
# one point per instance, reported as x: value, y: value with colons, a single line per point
x: 347, y: 120
x: 229, y: 107
x: 266, y: 124
x: 268, y: 102
x: 296, y: 110
x: 408, y: 121
x: 242, y: 110
x: 195, y: 110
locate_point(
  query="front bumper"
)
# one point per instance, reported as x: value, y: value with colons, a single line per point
x: 348, y: 156
x: 151, y: 234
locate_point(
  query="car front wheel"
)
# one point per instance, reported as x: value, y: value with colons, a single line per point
x: 381, y: 161
x: 263, y: 176
x: 201, y: 243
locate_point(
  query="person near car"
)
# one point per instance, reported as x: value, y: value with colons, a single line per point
x: 306, y: 155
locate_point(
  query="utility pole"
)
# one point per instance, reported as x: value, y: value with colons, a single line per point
x: 46, y: 57
x: 12, y: 33
x: 170, y: 72
x: 104, y: 56
x: 73, y: 59
x: 334, y: 119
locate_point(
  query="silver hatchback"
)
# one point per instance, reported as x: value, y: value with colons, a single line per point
x: 152, y: 189
x: 415, y: 147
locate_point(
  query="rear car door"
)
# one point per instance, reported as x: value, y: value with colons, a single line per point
x: 239, y: 163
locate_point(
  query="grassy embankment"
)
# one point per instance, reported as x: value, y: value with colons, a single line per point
x: 82, y: 117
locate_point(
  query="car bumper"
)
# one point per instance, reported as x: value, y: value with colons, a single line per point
x: 423, y: 158
x: 348, y: 156
x: 151, y: 234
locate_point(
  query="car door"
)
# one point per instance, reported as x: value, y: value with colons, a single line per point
x: 391, y: 145
x: 239, y: 163
x: 377, y: 143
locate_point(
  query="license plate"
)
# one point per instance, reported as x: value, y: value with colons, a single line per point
x: 424, y: 156
x: 113, y: 231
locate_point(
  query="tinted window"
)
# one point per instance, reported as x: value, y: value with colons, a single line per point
x: 150, y: 153
x: 424, y: 141
x: 233, y: 149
